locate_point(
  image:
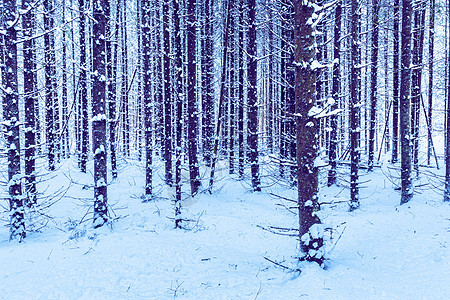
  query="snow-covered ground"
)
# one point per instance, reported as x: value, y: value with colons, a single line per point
x: 386, y: 251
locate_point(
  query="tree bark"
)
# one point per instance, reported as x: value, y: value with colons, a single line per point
x: 30, y: 96
x: 252, y: 113
x: 430, y: 81
x: 167, y: 93
x: 396, y: 81
x: 311, y: 241
x: 191, y: 98
x: 99, y: 112
x: 405, y: 109
x: 373, y: 81
x: 11, y: 120
x: 355, y: 98
x: 83, y: 90
x: 332, y: 154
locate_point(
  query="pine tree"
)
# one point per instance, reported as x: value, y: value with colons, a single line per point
x: 311, y: 240
x: 11, y: 119
x: 82, y: 98
x: 405, y: 110
x: 30, y: 96
x: 192, y: 119
x: 99, y: 112
x: 252, y: 112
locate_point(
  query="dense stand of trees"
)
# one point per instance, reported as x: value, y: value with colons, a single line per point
x: 240, y: 85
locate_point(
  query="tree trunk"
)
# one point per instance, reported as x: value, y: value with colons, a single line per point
x: 231, y: 51
x: 252, y: 124
x: 49, y: 48
x: 430, y: 81
x: 207, y: 84
x: 30, y: 96
x: 373, y: 81
x: 83, y: 90
x: 405, y: 112
x: 240, y: 123
x: 167, y: 98
x: 99, y: 112
x: 11, y: 120
x: 178, y: 92
x: 64, y: 140
x: 125, y: 115
x: 355, y: 98
x: 191, y: 98
x: 396, y: 81
x: 332, y: 154
x: 311, y: 240
x: 447, y: 148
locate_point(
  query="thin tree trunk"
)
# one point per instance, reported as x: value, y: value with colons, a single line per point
x: 112, y: 55
x: 178, y: 92
x: 430, y: 81
x: 396, y: 81
x: 232, y: 66
x: 83, y: 90
x: 252, y: 124
x: 221, y: 98
x: 11, y: 119
x: 167, y: 98
x: 373, y: 81
x: 207, y: 84
x: 64, y: 103
x: 241, y: 152
x: 447, y: 148
x: 49, y: 48
x: 405, y: 109
x: 124, y: 105
x: 30, y: 102
x: 191, y: 98
x: 355, y: 98
x: 335, y: 94
x: 147, y: 94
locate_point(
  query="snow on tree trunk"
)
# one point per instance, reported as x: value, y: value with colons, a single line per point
x: 354, y: 104
x: 50, y: 77
x: 373, y: 81
x: 147, y: 93
x: 396, y: 81
x: 11, y: 119
x: 83, y: 90
x: 430, y: 81
x: 241, y: 152
x: 30, y: 100
x: 179, y: 96
x: 405, y: 109
x: 99, y: 112
x: 191, y: 98
x: 252, y: 113
x: 167, y: 93
x: 332, y: 154
x: 310, y: 230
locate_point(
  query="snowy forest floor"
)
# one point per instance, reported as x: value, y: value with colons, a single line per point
x: 385, y: 251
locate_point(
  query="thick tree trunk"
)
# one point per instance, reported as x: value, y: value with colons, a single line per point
x: 311, y: 240
x: 99, y: 112
x: 332, y: 154
x: 405, y: 109
x: 30, y: 96
x: 11, y: 119
x: 191, y: 98
x: 252, y: 112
